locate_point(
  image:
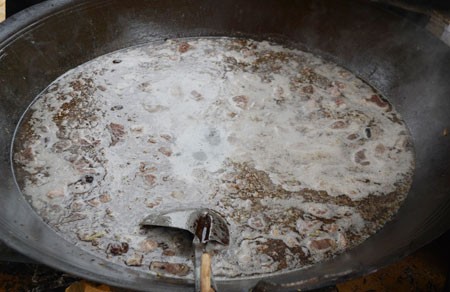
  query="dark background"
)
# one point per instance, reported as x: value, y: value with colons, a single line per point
x: 14, y: 6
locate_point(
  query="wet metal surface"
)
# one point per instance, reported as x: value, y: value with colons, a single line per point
x: 206, y: 224
x: 401, y: 60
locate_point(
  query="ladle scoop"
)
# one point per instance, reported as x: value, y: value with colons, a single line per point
x: 207, y: 226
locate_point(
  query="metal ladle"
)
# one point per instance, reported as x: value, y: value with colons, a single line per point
x: 207, y: 226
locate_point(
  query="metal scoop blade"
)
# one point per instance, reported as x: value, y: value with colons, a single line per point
x: 207, y: 226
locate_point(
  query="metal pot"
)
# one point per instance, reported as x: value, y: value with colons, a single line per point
x: 406, y: 64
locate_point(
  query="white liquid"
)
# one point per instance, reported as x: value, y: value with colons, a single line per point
x: 173, y: 125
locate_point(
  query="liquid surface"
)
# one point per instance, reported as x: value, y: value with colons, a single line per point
x: 302, y: 158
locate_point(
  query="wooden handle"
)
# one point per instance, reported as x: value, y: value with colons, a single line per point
x: 205, y: 274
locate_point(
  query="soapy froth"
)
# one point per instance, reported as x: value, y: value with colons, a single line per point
x: 292, y: 150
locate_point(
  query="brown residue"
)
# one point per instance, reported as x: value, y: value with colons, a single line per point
x: 241, y: 101
x: 169, y: 252
x: 117, y: 133
x: 166, y: 137
x: 278, y: 250
x: 25, y: 155
x: 360, y: 157
x: 55, y: 193
x: 135, y: 260
x: 117, y: 248
x: 380, y: 149
x: 309, y: 89
x: 105, y: 198
x: 170, y: 268
x: 322, y: 244
x: 184, y: 47
x: 150, y: 179
x: 148, y: 245
x: 339, y: 125
x: 353, y: 136
x: 379, y: 101
x: 165, y: 151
